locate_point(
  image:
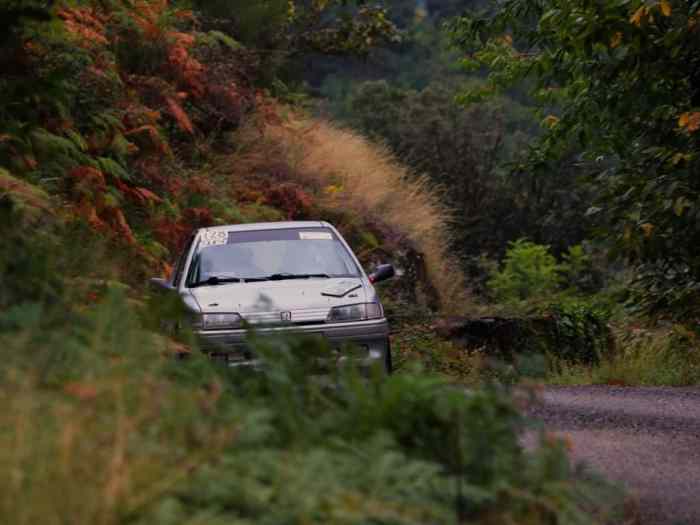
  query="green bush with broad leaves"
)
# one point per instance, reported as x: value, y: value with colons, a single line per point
x: 530, y: 276
x: 565, y: 322
x: 580, y: 333
x: 528, y: 271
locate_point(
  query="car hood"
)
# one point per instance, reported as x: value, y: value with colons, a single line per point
x: 306, y: 299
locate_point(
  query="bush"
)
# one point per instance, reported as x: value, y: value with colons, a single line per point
x: 101, y: 425
x: 579, y: 334
x: 579, y: 271
x: 417, y: 344
x: 506, y: 349
x: 529, y: 271
x: 530, y: 278
x: 664, y: 356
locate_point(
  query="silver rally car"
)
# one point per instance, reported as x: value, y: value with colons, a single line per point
x: 299, y: 277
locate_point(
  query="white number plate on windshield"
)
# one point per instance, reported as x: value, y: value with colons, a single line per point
x: 315, y: 236
x: 213, y: 238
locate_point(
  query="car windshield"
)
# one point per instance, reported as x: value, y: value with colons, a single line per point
x: 270, y: 255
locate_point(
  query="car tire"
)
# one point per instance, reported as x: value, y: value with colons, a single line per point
x: 388, y: 365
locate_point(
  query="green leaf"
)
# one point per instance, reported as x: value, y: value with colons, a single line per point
x: 680, y: 205
x: 113, y: 168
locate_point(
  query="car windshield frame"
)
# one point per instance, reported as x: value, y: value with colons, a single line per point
x: 312, y: 235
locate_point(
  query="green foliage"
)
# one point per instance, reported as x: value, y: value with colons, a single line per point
x: 465, y: 152
x: 283, y: 35
x: 666, y: 356
x: 665, y: 289
x: 217, y: 38
x: 624, y: 77
x: 579, y: 334
x: 577, y: 268
x: 257, y: 23
x: 417, y: 344
x: 531, y: 280
x: 102, y: 424
x: 289, y: 27
x: 26, y: 270
x: 529, y: 271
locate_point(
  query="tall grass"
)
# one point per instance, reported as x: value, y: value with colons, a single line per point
x: 98, y: 426
x: 93, y: 430
x: 363, y: 178
x: 663, y: 356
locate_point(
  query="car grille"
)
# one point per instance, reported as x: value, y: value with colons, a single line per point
x: 301, y: 317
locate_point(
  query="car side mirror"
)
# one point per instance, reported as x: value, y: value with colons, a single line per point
x: 160, y: 284
x: 382, y: 273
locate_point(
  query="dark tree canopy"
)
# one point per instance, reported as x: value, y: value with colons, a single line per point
x: 624, y: 77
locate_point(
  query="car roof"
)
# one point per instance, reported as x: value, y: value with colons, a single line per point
x: 281, y: 225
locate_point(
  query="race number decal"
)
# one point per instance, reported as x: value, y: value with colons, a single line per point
x: 315, y: 236
x: 213, y: 238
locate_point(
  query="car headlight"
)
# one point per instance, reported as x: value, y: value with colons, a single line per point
x: 219, y: 322
x: 355, y: 312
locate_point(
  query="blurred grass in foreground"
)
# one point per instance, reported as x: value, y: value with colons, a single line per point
x: 101, y: 424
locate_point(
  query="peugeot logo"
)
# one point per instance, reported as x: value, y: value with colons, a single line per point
x: 286, y: 316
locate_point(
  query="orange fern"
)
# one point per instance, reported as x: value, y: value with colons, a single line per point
x: 179, y: 115
x: 85, y: 25
x: 146, y: 15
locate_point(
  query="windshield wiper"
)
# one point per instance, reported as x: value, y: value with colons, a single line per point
x: 283, y: 276
x: 214, y: 280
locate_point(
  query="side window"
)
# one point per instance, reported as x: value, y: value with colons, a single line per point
x: 177, y: 275
x: 193, y: 272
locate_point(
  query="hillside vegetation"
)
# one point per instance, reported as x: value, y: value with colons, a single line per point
x: 368, y: 181
x: 567, y: 134
x: 153, y: 127
x: 126, y: 124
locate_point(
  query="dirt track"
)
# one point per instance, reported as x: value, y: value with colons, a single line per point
x: 646, y: 438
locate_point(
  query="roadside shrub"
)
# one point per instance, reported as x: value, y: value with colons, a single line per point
x: 530, y: 279
x: 417, y: 344
x: 506, y: 349
x: 656, y: 357
x: 101, y: 425
x: 665, y: 288
x: 578, y: 270
x: 579, y: 333
x: 528, y: 271
x: 93, y: 429
x: 662, y: 356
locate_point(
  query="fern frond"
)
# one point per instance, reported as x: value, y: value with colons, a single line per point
x: 113, y: 168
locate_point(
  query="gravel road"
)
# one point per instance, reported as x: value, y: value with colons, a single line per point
x: 648, y: 439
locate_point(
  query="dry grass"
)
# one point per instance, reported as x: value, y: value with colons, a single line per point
x: 84, y: 460
x: 105, y: 445
x: 365, y: 179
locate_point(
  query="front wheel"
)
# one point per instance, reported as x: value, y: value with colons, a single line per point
x: 388, y: 365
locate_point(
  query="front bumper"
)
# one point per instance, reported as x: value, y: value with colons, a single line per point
x: 371, y: 335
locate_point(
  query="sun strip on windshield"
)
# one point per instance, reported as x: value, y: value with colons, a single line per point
x: 296, y: 234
